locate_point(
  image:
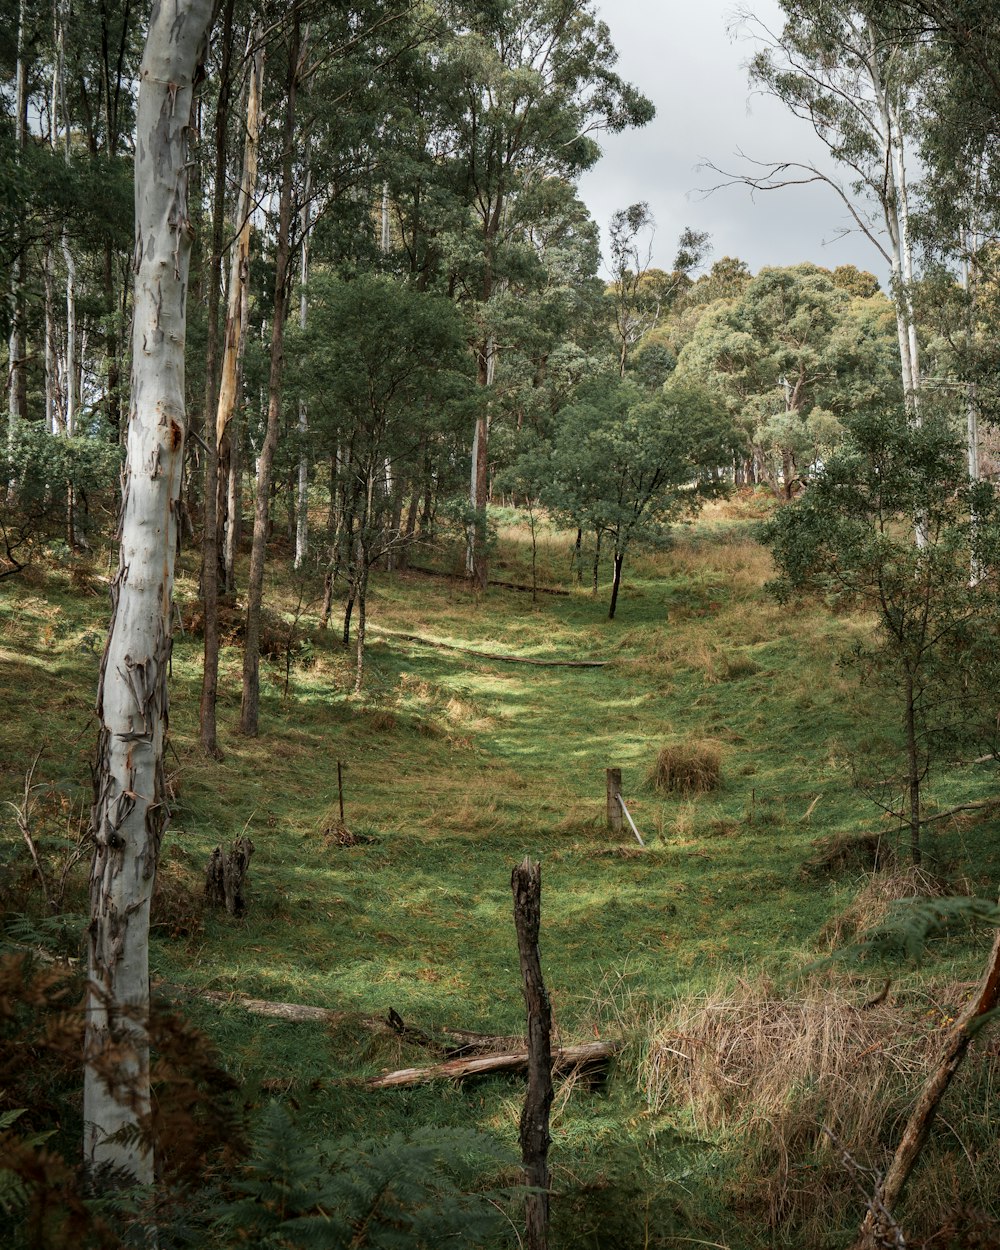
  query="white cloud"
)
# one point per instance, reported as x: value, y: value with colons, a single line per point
x: 684, y: 59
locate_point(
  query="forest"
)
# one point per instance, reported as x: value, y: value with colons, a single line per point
x: 499, y: 735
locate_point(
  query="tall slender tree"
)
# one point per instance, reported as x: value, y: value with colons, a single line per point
x: 130, y: 804
x: 250, y: 705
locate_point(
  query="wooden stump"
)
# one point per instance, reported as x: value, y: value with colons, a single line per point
x: 614, y: 779
x: 226, y: 874
x: 526, y: 883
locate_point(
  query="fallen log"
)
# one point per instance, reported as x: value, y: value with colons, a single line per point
x: 566, y: 1058
x: 296, y: 1012
x: 454, y: 1042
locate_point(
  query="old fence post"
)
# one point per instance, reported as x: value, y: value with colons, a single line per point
x: 526, y: 883
x: 614, y: 776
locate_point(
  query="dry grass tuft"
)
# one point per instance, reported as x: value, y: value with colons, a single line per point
x: 777, y: 1071
x: 178, y: 904
x: 746, y: 1055
x: 692, y: 767
x: 872, y: 906
x: 340, y: 835
x: 850, y: 853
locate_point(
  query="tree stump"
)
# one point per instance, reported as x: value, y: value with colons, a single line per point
x: 225, y: 876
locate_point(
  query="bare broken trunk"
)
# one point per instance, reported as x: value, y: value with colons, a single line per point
x: 129, y: 811
x: 526, y: 883
x: 875, y: 1228
x: 226, y: 876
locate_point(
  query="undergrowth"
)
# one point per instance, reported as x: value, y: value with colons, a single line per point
x: 453, y: 768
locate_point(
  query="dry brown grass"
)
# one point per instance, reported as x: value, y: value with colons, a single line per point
x: 764, y: 1073
x: 870, y: 909
x: 692, y: 767
x: 777, y: 1071
x: 852, y: 853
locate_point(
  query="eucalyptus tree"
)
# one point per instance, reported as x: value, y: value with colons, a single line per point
x: 250, y: 702
x: 525, y: 87
x: 332, y: 88
x: 846, y: 541
x: 549, y: 321
x: 130, y: 805
x: 790, y: 357
x: 625, y: 464
x: 638, y: 296
x: 833, y: 67
x: 220, y: 493
x: 383, y: 367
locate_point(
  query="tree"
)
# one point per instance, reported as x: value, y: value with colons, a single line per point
x: 626, y: 464
x: 847, y: 540
x: 383, y: 368
x: 250, y: 703
x: 130, y: 811
x: 526, y: 83
x: 832, y: 67
x: 217, y: 425
x: 638, y: 293
x: 791, y: 356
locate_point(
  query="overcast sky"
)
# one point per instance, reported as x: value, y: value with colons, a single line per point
x: 683, y: 57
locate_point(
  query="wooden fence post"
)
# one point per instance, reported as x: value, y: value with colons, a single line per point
x: 526, y: 883
x: 614, y: 776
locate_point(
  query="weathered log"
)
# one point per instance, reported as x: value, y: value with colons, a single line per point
x: 564, y: 1059
x: 461, y: 577
x: 526, y: 884
x: 456, y: 1043
x: 295, y: 1012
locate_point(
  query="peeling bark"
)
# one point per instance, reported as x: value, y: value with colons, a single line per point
x: 129, y: 811
x: 219, y: 442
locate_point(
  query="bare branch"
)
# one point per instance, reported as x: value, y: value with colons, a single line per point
x: 776, y: 175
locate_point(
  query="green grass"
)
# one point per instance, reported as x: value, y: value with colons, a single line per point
x: 454, y: 769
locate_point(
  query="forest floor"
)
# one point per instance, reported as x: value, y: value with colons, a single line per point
x: 453, y: 769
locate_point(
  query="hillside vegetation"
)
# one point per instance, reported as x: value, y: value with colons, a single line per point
x: 705, y: 953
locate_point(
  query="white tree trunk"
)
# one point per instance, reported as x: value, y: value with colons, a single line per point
x: 896, y: 210
x: 16, y: 341
x: 129, y: 811
x: 477, y: 500
x: 72, y: 380
x: 239, y: 277
x: 302, y: 504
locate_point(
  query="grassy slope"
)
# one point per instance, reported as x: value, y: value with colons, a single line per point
x: 455, y: 768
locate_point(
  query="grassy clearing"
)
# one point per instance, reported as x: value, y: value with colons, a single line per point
x: 454, y: 768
